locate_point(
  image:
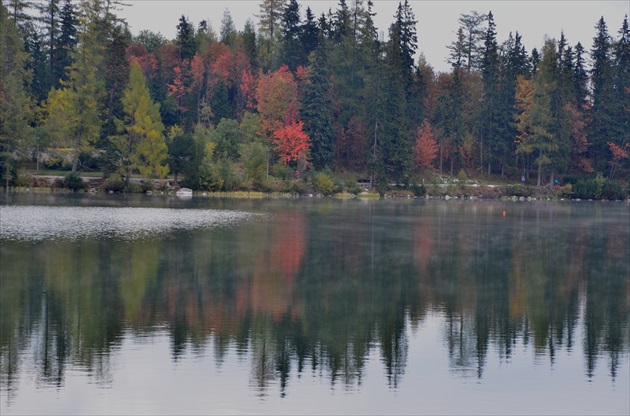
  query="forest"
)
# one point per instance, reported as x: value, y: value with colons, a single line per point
x: 297, y: 102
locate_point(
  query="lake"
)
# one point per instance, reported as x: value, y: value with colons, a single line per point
x: 151, y: 304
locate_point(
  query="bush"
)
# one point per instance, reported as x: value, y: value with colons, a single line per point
x: 585, y: 188
x: 54, y: 163
x: 73, y: 182
x: 353, y: 188
x: 518, y: 191
x: 114, y: 183
x: 418, y: 190
x: 565, y: 191
x: 613, y: 190
x: 324, y: 184
x: 462, y: 177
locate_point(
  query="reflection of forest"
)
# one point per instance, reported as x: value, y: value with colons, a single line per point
x: 318, y: 289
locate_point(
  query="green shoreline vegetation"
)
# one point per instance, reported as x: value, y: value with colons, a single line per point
x: 298, y: 104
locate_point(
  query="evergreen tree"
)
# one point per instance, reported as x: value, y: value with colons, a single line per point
x: 467, y: 50
x: 309, y: 33
x: 36, y: 63
x: 67, y: 42
x: 15, y: 103
x: 396, y: 148
x: 116, y: 75
x: 535, y: 60
x: 74, y: 110
x: 50, y: 17
x: 186, y: 43
x: 602, y: 81
x: 270, y: 18
x: 143, y: 147
x: 292, y: 53
x: 621, y: 127
x: 228, y: 31
x: 249, y: 43
x: 580, y: 78
x: 317, y: 109
x: 489, y: 120
x: 340, y: 26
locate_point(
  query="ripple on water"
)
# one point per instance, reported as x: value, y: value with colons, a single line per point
x: 35, y: 223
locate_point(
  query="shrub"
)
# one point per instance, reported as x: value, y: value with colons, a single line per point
x: 565, y: 191
x: 585, y: 188
x: 324, y: 183
x: 462, y: 177
x: 353, y: 188
x: 517, y: 190
x: 114, y: 183
x: 612, y: 190
x: 73, y: 182
x: 53, y: 163
x: 418, y: 190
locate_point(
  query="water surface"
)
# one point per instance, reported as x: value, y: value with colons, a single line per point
x: 119, y: 305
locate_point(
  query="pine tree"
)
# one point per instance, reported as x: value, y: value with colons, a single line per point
x: 270, y: 17
x: 250, y: 44
x: 467, y: 50
x: 317, y: 109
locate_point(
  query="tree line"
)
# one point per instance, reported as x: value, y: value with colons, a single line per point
x: 301, y: 93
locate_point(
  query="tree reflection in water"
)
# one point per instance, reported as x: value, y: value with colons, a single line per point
x: 319, y: 287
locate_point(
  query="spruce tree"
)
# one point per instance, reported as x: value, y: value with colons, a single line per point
x: 621, y: 127
x: 602, y: 81
x: 292, y: 53
x: 186, y: 43
x: 228, y: 30
x: 309, y: 33
x: 489, y: 119
x: 580, y: 78
x: 67, y: 41
x: 316, y: 109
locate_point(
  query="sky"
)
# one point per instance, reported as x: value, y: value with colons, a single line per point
x: 437, y: 19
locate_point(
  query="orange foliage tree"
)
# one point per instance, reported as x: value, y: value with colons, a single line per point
x: 426, y: 148
x: 292, y: 144
x: 276, y: 93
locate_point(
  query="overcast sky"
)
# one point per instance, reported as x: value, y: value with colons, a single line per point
x: 437, y: 20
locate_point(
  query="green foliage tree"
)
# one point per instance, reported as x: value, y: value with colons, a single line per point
x: 226, y: 138
x: 144, y: 148
x: 15, y: 102
x: 74, y: 110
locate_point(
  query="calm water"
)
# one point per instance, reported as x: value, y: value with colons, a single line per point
x: 160, y: 305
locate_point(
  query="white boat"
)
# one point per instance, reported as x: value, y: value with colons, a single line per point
x: 185, y: 193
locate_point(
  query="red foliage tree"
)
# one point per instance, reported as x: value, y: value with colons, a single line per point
x: 275, y: 94
x: 291, y: 142
x: 426, y: 148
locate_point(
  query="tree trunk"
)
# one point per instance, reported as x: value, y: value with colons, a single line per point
x: 539, y: 180
x: 75, y: 161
